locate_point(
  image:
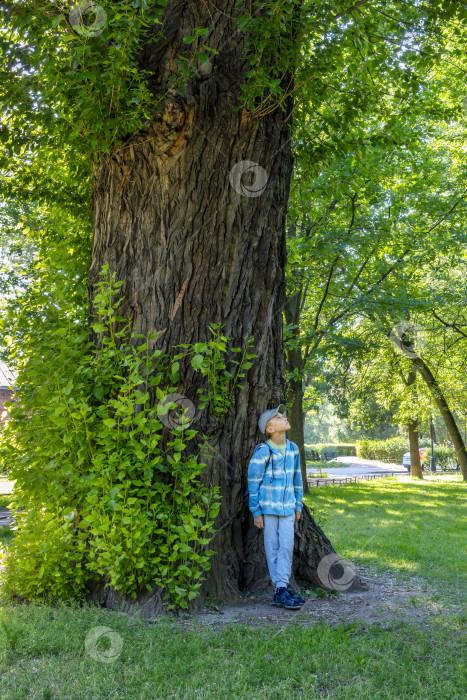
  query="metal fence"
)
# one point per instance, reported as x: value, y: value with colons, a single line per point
x: 349, y: 479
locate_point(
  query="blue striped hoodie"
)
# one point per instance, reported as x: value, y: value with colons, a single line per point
x: 277, y: 489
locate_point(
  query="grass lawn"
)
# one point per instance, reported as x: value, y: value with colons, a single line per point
x: 409, y: 527
x: 406, y: 525
x: 325, y: 465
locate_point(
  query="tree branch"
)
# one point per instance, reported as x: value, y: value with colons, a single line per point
x: 351, y: 9
x: 454, y: 326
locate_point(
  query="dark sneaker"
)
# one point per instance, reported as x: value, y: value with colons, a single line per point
x: 282, y: 599
x: 295, y: 596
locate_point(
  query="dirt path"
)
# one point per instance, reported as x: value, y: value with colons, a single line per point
x: 387, y: 600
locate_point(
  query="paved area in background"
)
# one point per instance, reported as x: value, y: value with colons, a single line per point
x: 6, y: 518
x: 357, y: 467
x: 6, y: 486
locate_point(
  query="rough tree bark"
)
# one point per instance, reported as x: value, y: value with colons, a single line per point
x: 192, y: 250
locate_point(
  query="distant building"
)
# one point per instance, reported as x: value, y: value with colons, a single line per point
x: 7, y: 385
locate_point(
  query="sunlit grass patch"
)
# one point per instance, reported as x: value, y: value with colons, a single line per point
x: 405, y: 534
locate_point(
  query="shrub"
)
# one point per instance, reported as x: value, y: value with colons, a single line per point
x: 323, y: 452
x: 317, y: 465
x: 445, y: 457
x: 393, y: 450
x: 102, y: 496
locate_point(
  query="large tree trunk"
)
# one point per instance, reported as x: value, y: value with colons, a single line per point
x: 446, y: 413
x: 192, y: 249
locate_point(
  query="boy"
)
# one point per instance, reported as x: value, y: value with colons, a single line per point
x: 275, y: 499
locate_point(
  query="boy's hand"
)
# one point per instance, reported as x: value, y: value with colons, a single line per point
x: 259, y: 521
x: 297, y: 516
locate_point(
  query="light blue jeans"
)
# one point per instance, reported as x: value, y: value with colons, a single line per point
x: 278, y: 543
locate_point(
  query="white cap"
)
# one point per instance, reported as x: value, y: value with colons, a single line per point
x: 267, y: 415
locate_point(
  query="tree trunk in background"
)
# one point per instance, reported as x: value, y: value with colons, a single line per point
x: 193, y: 247
x: 415, y: 466
x: 445, y: 411
x: 295, y: 393
x: 296, y: 432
